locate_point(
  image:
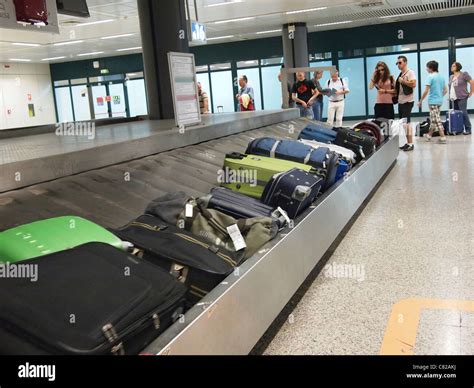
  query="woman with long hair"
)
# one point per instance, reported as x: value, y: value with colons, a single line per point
x: 383, y: 81
x: 459, y: 93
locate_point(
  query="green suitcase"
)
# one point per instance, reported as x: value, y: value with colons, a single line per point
x: 249, y: 174
x: 52, y: 235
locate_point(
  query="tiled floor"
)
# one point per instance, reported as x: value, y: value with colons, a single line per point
x: 415, y: 239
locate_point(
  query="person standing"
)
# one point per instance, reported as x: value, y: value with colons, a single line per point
x: 383, y: 81
x: 404, y: 89
x: 318, y: 104
x: 436, y: 89
x: 304, y: 94
x: 245, y: 89
x: 337, y: 97
x: 203, y: 100
x: 459, y: 93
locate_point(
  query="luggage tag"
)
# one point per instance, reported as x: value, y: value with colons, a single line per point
x: 189, y: 211
x: 236, y: 236
x: 285, y: 215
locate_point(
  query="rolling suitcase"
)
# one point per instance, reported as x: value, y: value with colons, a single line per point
x: 90, y: 300
x: 371, y: 129
x: 362, y: 145
x: 320, y: 158
x: 342, y: 169
x: 454, y: 124
x: 293, y: 191
x: 51, y: 235
x: 318, y: 131
x: 343, y: 153
x: 249, y: 174
x: 189, y: 258
x: 239, y: 206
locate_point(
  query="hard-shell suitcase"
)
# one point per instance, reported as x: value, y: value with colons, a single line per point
x: 51, y: 235
x: 342, y: 169
x: 239, y: 206
x: 249, y: 174
x: 454, y: 123
x: 343, y: 153
x: 362, y: 145
x: 90, y: 300
x: 321, y: 158
x: 189, y: 258
x: 293, y: 191
x: 318, y: 131
x: 371, y: 129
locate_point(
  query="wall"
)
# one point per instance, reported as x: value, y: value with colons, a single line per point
x: 22, y: 84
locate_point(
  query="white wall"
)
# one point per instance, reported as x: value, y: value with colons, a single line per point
x: 17, y: 81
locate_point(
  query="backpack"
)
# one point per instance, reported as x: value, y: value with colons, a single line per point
x: 342, y: 82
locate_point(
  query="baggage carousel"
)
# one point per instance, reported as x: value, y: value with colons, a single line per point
x: 232, y: 317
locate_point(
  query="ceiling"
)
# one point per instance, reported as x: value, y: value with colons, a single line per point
x: 84, y: 38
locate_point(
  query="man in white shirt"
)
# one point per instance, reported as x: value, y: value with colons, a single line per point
x: 336, y: 99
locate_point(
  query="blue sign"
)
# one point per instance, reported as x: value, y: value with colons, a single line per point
x: 198, y: 32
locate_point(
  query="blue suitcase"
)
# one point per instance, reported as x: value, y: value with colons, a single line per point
x: 342, y: 169
x: 322, y: 159
x: 293, y: 191
x: 454, y: 124
x: 319, y: 132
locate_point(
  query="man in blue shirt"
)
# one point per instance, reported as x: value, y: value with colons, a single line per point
x: 436, y: 89
x: 245, y: 89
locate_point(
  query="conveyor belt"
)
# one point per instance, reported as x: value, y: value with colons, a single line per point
x: 106, y: 196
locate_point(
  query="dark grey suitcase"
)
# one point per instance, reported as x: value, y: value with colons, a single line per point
x: 293, y: 191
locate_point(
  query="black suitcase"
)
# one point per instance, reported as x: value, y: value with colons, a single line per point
x: 361, y: 144
x: 240, y: 206
x: 90, y: 300
x: 293, y: 191
x: 189, y: 258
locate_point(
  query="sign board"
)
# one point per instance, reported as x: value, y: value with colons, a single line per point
x: 198, y: 32
x: 184, y: 89
x: 9, y: 16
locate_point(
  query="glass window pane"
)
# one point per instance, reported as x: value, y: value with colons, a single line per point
x: 203, y: 78
x: 79, y: 81
x: 64, y: 104
x: 352, y: 73
x: 118, y: 100
x: 391, y: 49
x: 202, y: 68
x: 433, y: 45
x: 61, y: 83
x: 320, y: 56
x: 137, y: 98
x: 251, y: 63
x: 271, y: 87
x: 222, y: 91
x: 101, y: 108
x: 272, y: 61
x: 220, y: 66
x: 391, y: 61
x: 80, y: 99
x: 464, y: 41
x: 465, y: 56
x: 442, y: 57
x: 253, y: 76
x: 138, y: 74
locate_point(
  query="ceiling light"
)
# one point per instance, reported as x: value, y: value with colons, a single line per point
x: 93, y: 23
x: 267, y: 32
x: 333, y: 24
x: 235, y: 20
x: 67, y: 43
x: 52, y: 59
x: 221, y: 37
x: 19, y: 60
x: 130, y: 48
x: 223, y: 3
x: 400, y: 15
x: 27, y: 44
x: 94, y: 53
x: 116, y: 36
x: 306, y: 10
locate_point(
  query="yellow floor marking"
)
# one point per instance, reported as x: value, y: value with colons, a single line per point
x: 400, y: 335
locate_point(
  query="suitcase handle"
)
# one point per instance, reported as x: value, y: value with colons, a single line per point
x: 235, y: 155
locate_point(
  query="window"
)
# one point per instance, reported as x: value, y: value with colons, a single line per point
x: 137, y: 97
x: 465, y: 56
x: 391, y: 49
x: 351, y: 53
x: 203, y: 78
x: 320, y: 56
x: 434, y: 45
x: 79, y: 81
x: 253, y: 76
x: 440, y: 56
x: 251, y: 63
x: 64, y: 104
x: 80, y: 100
x: 391, y: 61
x: 61, y: 83
x: 220, y: 66
x: 352, y: 73
x: 272, y: 93
x: 222, y: 91
x: 272, y: 61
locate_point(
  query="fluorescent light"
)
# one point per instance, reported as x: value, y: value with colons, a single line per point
x: 94, y: 53
x: 52, y: 59
x: 267, y: 32
x: 93, y: 23
x: 27, y: 44
x: 333, y: 24
x: 223, y: 3
x: 234, y: 20
x: 306, y: 10
x: 68, y: 43
x: 221, y: 37
x: 400, y: 15
x: 116, y: 36
x: 130, y: 48
x: 19, y: 60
